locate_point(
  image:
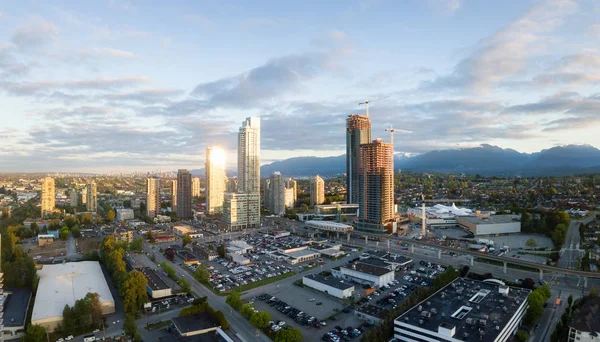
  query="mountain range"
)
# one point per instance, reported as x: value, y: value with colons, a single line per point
x: 485, y: 160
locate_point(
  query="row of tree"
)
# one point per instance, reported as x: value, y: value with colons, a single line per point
x: 561, y: 330
x: 200, y: 305
x: 551, y: 223
x: 84, y: 316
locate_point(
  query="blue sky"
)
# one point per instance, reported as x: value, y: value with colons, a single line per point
x: 125, y: 85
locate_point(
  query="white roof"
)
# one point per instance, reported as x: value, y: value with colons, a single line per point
x: 63, y: 284
x: 328, y: 225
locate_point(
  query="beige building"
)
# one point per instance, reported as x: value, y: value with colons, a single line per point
x: 216, y: 180
x: 317, y: 190
x: 48, y: 196
x: 241, y: 211
x: 289, y: 198
x: 91, y: 202
x: 152, y: 197
x: 174, y: 195
x: 292, y: 184
x: 195, y: 187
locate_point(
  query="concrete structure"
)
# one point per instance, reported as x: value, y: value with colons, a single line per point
x: 182, y: 229
x: 184, y: 194
x: 231, y: 184
x: 336, y: 212
x: 74, y: 198
x: 15, y: 306
x: 124, y: 235
x: 83, y: 195
x: 358, y: 132
x: 372, y: 314
x: 266, y: 196
x: 215, y: 180
x: 376, y: 187
x: 241, y: 211
x: 585, y: 326
x: 289, y: 197
x: 277, y: 194
x: 330, y: 285
x: 156, y: 287
x: 63, y: 284
x: 195, y: 187
x: 124, y: 214
x: 48, y: 196
x: 152, y: 197
x: 490, y: 225
x: 194, y: 325
x: 174, y: 195
x: 91, y: 202
x: 465, y: 310
x: 364, y: 274
x: 329, y: 226
x: 45, y: 239
x: 317, y: 190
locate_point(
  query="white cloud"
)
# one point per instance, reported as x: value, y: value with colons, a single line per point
x: 35, y: 32
x: 108, y: 52
x: 447, y: 7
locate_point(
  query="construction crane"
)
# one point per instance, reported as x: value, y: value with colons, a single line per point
x: 393, y: 130
x: 366, y: 103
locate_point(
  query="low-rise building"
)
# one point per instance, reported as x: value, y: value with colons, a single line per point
x: 294, y: 254
x: 364, y: 274
x: 372, y: 314
x: 124, y: 214
x: 205, y: 252
x: 16, y: 304
x: 188, y: 258
x: 238, y: 247
x: 45, y: 239
x: 156, y: 287
x: 585, y: 326
x: 330, y: 285
x: 124, y: 235
x: 194, y: 325
x: 490, y: 224
x: 182, y: 229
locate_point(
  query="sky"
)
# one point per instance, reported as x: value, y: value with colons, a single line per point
x: 124, y: 85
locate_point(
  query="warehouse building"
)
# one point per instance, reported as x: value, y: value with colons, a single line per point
x: 330, y: 285
x: 156, y: 287
x: 63, y: 284
x: 364, y: 274
x: 465, y: 310
x: 371, y: 314
x: 490, y: 224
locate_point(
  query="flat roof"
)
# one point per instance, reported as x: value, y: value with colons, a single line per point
x: 374, y: 311
x: 391, y: 257
x: 492, y: 219
x: 15, y: 307
x: 330, y: 281
x: 63, y: 284
x: 185, y: 252
x: 188, y: 324
x: 299, y: 254
x: 588, y: 317
x: 368, y: 269
x: 470, y: 306
x: 154, y: 281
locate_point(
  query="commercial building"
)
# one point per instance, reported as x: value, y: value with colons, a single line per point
x: 63, y: 284
x: 238, y: 247
x: 48, y: 196
x: 289, y: 197
x: 465, y: 310
x: 182, y: 229
x: 372, y: 314
x: 439, y: 216
x: 45, y: 239
x: 156, y: 287
x: 196, y: 187
x: 490, y: 224
x: 294, y: 254
x: 205, y: 252
x: 330, y: 285
x: 174, y: 195
x: 194, y: 325
x: 74, y: 198
x: 124, y: 235
x: 292, y: 184
x: 336, y: 212
x: 188, y: 258
x: 329, y: 226
x: 91, y: 202
x: 585, y: 326
x: 152, y: 197
x: 124, y: 214
x: 364, y: 274
x: 358, y: 132
x: 241, y: 211
x: 15, y: 305
x: 215, y: 180
x: 277, y: 194
x: 184, y: 194
x: 317, y: 190
x: 376, y: 187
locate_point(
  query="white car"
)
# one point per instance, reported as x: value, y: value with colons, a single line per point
x: 69, y: 338
x: 60, y: 340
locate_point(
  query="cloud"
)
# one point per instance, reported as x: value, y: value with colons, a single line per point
x: 198, y: 19
x: 107, y: 52
x: 48, y: 87
x: 446, y: 7
x: 35, y: 32
x: 506, y: 52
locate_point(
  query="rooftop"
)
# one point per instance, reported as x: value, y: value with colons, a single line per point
x: 299, y: 254
x: 374, y: 311
x: 154, y: 281
x: 15, y: 307
x: 330, y: 281
x: 479, y: 310
x: 492, y: 219
x: 368, y: 269
x: 588, y: 316
x: 187, y: 324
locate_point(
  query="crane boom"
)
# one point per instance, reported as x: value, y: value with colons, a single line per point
x: 366, y: 103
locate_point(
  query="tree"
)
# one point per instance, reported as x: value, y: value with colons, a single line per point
x: 528, y: 283
x: 75, y: 232
x: 247, y: 310
x: 531, y: 243
x: 288, y: 334
x: 522, y: 336
x: 260, y: 319
x: 234, y: 300
x: 137, y: 244
x: 110, y: 216
x: 135, y: 294
x: 185, y: 285
x: 222, y: 320
x: 69, y: 320
x: 64, y: 233
x: 150, y: 236
x: 221, y: 250
x: 70, y: 221
x: 186, y: 239
x: 202, y: 274
x: 130, y: 327
x: 34, y: 333
x: 570, y: 300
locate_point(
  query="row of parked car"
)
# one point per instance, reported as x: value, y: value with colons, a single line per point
x: 340, y: 333
x: 299, y: 316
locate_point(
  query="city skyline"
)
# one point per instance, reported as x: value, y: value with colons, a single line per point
x: 76, y: 85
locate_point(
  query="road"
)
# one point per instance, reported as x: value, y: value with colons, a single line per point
x: 570, y: 251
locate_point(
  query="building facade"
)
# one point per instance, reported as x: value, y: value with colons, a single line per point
x: 195, y: 187
x: 292, y: 184
x: 317, y: 190
x: 48, y: 195
x: 277, y: 194
x: 241, y: 211
x: 184, y: 194
x: 74, y: 198
x: 249, y: 156
x: 174, y: 195
x: 215, y: 180
x: 91, y: 202
x: 376, y: 187
x: 289, y: 197
x: 152, y: 197
x: 123, y: 214
x: 330, y: 285
x: 358, y: 131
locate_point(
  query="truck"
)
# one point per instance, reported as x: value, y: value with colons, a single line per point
x: 370, y: 291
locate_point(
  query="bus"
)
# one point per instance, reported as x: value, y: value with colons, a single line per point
x: 89, y: 338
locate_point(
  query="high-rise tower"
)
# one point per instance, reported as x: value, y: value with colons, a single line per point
x: 91, y: 201
x: 358, y: 131
x: 216, y: 180
x: 48, y: 196
x: 249, y: 156
x: 317, y: 190
x: 174, y: 195
x: 152, y: 197
x: 184, y: 194
x: 277, y: 194
x: 195, y: 187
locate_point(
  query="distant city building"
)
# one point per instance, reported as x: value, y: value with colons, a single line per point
x: 74, y: 198
x: 292, y: 184
x: 277, y: 194
x: 216, y: 180
x: 241, y: 211
x: 48, y: 196
x: 358, y: 132
x: 184, y: 194
x: 195, y: 187
x: 123, y: 214
x: 317, y: 190
x: 376, y: 187
x: 174, y: 195
x: 91, y: 201
x: 266, y: 193
x: 336, y: 212
x: 232, y: 184
x: 249, y: 156
x: 84, y: 195
x: 289, y: 198
x: 152, y: 197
